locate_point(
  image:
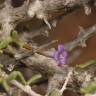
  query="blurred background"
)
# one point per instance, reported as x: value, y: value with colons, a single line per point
x: 65, y: 31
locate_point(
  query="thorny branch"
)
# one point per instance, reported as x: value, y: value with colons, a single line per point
x: 81, y: 38
x: 48, y: 65
x: 43, y: 9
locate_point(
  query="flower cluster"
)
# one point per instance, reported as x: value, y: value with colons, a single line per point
x: 61, y: 55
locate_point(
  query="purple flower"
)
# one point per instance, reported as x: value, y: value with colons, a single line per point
x: 61, y: 55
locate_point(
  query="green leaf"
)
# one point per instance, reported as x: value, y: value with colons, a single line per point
x: 1, y: 65
x: 10, y: 49
x: 86, y: 64
x: 34, y: 78
x: 14, y: 34
x: 90, y: 88
x: 5, y: 85
x: 55, y: 92
x: 4, y: 43
x: 15, y: 39
x: 13, y: 75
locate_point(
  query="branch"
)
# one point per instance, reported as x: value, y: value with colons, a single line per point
x: 66, y: 81
x: 43, y: 8
x: 83, y: 36
x: 48, y: 63
x: 10, y: 16
x: 94, y: 94
x: 27, y: 89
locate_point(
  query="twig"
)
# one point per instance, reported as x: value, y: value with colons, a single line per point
x: 94, y: 94
x: 27, y: 89
x: 83, y: 36
x: 36, y: 50
x: 66, y: 81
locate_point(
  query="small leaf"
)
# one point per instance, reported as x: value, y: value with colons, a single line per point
x: 34, y: 79
x: 4, y: 43
x: 14, y: 34
x: 55, y: 92
x: 15, y: 39
x: 10, y: 49
x: 90, y: 88
x: 1, y: 65
x: 86, y: 64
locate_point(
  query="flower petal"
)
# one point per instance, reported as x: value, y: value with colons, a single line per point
x: 56, y: 55
x: 61, y: 55
x: 62, y: 61
x: 61, y: 48
x: 64, y: 53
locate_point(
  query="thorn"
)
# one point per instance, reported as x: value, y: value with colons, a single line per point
x: 54, y: 23
x: 81, y: 28
x: 9, y: 93
x: 87, y: 9
x: 45, y: 33
x: 47, y: 23
x: 83, y: 44
x: 82, y: 31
